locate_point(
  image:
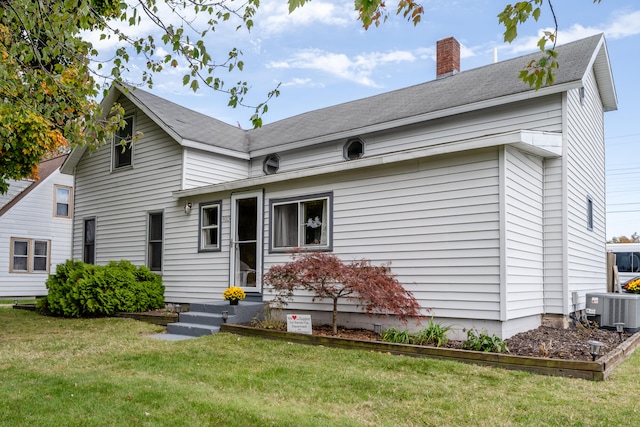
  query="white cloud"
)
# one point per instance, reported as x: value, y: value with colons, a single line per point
x: 623, y: 24
x: 358, y: 69
x: 273, y: 16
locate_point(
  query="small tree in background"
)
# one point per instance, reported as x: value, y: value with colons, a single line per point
x: 373, y: 287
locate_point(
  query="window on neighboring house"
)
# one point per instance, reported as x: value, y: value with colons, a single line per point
x: 589, y: 213
x: 154, y: 255
x: 123, y: 145
x: 210, y: 226
x: 302, y: 222
x: 63, y: 196
x: 89, y: 241
x: 29, y: 256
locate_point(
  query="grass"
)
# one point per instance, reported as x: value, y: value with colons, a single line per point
x: 106, y: 372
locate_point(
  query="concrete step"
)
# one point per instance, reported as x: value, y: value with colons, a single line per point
x: 201, y: 318
x: 191, y: 329
x: 206, y: 318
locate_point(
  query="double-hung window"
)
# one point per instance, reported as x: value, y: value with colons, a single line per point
x: 302, y: 222
x: 29, y: 255
x: 62, y: 203
x: 210, y: 226
x: 123, y: 145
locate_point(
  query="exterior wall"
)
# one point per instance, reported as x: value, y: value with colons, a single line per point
x: 15, y: 188
x: 554, y: 235
x: 524, y: 241
x: 435, y: 220
x: 540, y: 114
x: 120, y: 200
x: 32, y: 218
x: 586, y: 250
x: 202, y: 168
x: 190, y: 275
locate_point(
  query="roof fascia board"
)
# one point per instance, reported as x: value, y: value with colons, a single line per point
x: 532, y: 141
x: 530, y: 94
x: 600, y: 62
x: 212, y: 149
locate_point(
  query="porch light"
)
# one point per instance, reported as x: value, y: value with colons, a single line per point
x: 177, y: 308
x: 377, y: 329
x: 619, y: 329
x: 594, y: 348
x: 225, y: 316
x: 187, y: 207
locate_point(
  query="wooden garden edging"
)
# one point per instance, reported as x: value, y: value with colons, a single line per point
x: 596, y: 371
x: 162, y: 320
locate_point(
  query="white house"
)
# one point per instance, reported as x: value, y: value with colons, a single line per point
x: 35, y: 230
x: 487, y: 197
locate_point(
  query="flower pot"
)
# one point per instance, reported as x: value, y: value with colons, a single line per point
x: 233, y: 302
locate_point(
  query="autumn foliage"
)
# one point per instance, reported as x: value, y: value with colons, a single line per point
x: 372, y: 287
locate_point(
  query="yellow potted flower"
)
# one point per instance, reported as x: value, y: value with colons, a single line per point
x: 234, y: 294
x: 633, y: 286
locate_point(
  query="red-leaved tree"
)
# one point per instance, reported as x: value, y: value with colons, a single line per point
x: 374, y: 288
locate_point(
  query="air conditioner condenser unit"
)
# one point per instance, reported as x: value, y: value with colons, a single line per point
x: 612, y: 308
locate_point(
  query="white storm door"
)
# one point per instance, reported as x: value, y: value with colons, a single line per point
x: 246, y: 241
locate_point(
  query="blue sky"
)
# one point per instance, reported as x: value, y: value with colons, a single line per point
x: 321, y: 56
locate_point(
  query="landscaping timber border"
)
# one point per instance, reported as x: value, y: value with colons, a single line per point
x: 595, y: 371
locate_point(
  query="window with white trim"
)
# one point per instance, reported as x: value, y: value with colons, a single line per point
x: 301, y: 222
x: 29, y: 255
x: 123, y: 145
x: 62, y: 203
x: 210, y: 226
x: 154, y: 254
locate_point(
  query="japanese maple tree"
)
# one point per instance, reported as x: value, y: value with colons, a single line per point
x: 372, y: 287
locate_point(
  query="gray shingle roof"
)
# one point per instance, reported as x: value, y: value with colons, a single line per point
x: 191, y: 125
x: 490, y: 82
x: 467, y: 87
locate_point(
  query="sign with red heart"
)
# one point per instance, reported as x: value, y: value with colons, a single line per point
x: 299, y: 323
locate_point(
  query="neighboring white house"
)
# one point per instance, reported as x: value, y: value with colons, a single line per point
x: 487, y: 197
x: 35, y: 230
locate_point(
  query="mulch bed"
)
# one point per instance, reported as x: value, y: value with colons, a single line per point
x: 544, y: 341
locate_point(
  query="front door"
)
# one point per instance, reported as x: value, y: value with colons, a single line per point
x: 246, y: 241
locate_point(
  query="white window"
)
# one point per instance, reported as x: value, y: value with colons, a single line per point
x: 304, y: 223
x: 123, y: 145
x: 29, y: 256
x: 210, y: 226
x: 154, y: 254
x: 62, y: 202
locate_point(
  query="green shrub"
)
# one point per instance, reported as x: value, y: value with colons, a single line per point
x: 484, y: 342
x: 435, y: 334
x: 85, y: 290
x: 396, y: 336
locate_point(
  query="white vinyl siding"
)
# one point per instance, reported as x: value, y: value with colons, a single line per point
x: 524, y: 244
x: 32, y: 218
x: 202, y: 168
x: 585, y: 179
x: 435, y: 220
x: 120, y: 200
x: 554, y: 226
x: 539, y: 114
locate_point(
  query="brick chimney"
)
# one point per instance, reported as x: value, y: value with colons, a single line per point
x: 447, y: 57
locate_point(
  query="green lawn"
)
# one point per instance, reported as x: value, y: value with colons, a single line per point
x: 106, y: 372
